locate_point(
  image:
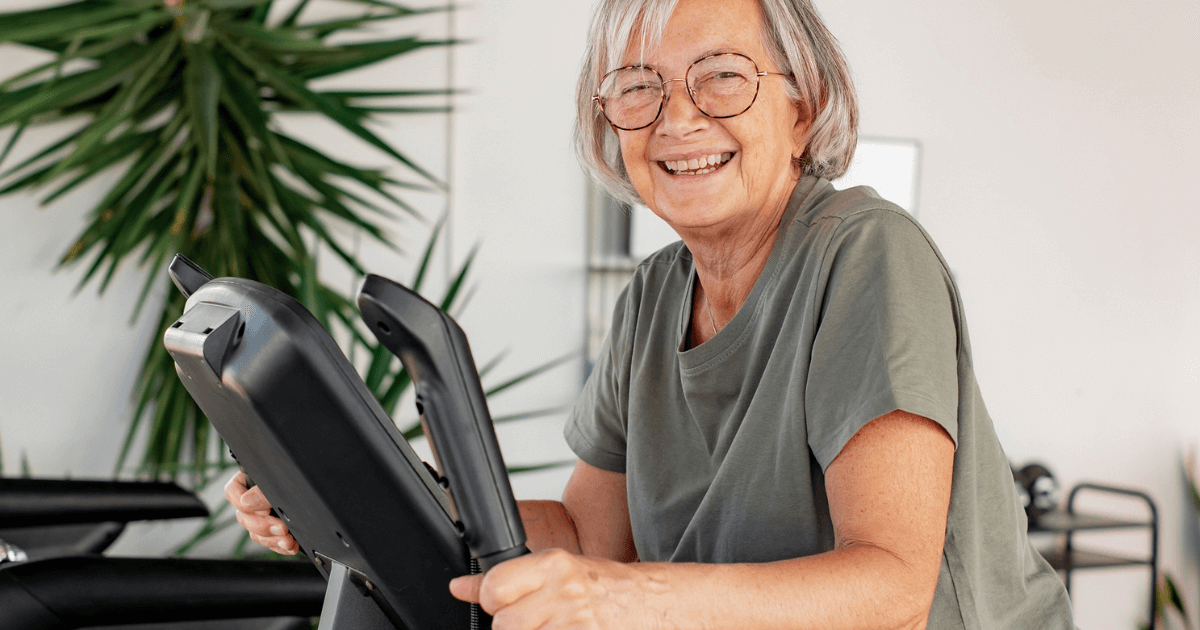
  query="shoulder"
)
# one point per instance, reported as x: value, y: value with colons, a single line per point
x: 667, y: 271
x: 664, y: 264
x: 860, y: 205
x: 653, y: 292
x: 858, y: 220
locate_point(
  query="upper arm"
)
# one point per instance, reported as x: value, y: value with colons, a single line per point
x: 596, y: 502
x: 888, y: 333
x: 890, y: 488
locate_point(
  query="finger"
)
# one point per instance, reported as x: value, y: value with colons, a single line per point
x: 466, y: 588
x: 539, y: 609
x: 252, y: 501
x: 235, y: 488
x: 513, y: 579
x: 286, y: 546
x: 265, y: 534
x: 262, y: 524
x: 246, y: 500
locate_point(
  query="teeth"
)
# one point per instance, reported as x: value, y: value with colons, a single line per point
x: 697, y: 166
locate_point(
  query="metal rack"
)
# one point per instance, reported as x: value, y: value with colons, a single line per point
x: 1070, y: 558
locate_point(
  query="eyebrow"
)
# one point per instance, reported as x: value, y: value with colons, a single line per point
x: 716, y: 51
x: 708, y: 53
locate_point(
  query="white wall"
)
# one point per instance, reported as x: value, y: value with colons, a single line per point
x: 519, y: 195
x: 1057, y: 141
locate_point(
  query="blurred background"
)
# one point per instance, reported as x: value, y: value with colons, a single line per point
x: 1053, y: 146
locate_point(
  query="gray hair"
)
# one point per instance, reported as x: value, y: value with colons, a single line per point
x: 798, y: 43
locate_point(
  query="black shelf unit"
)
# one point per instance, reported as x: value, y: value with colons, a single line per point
x: 1067, y: 522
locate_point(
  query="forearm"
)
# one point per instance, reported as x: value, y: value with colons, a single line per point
x: 552, y: 525
x: 547, y: 526
x: 591, y: 520
x: 848, y: 588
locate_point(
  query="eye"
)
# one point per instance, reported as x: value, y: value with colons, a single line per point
x: 721, y: 76
x: 635, y: 88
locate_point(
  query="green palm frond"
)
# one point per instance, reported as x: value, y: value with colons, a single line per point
x: 176, y: 102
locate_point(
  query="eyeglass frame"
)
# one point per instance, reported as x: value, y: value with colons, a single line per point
x: 691, y: 95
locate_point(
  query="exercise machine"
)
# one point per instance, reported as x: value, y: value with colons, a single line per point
x: 53, y: 578
x: 387, y: 530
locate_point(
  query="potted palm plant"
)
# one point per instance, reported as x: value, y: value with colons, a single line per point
x: 181, y: 99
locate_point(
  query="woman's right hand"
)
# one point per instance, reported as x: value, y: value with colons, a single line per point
x: 254, y: 513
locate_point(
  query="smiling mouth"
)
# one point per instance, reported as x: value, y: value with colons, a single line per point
x: 696, y: 166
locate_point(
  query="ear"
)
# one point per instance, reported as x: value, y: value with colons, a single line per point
x: 800, y: 132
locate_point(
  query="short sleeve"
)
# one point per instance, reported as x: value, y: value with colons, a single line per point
x: 597, y: 428
x: 886, y: 336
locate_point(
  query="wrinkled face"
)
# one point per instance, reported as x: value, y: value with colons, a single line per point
x: 753, y: 176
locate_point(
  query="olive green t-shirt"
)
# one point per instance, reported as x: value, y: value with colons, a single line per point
x: 724, y: 446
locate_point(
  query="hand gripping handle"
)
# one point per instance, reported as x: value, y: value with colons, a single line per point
x: 450, y: 400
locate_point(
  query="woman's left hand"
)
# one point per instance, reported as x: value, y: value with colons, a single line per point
x: 556, y: 589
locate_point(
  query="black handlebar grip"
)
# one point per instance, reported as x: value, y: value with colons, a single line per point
x: 450, y: 398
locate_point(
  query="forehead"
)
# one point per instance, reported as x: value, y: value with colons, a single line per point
x: 697, y: 28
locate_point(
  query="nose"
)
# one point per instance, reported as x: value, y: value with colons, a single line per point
x: 680, y: 114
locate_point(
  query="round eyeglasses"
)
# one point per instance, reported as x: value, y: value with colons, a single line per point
x: 721, y: 86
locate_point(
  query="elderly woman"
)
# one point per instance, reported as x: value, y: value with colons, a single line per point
x: 784, y: 428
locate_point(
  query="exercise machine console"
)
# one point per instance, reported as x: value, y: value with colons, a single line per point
x: 387, y: 530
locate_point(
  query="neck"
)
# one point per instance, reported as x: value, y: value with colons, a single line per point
x: 728, y: 271
x: 728, y: 263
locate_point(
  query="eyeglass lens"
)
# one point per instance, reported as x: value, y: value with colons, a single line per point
x: 721, y: 86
